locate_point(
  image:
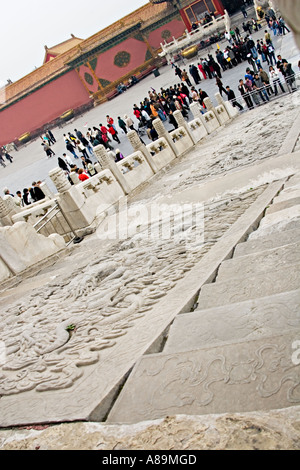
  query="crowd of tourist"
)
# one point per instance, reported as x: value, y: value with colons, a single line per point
x: 26, y: 197
x: 255, y: 88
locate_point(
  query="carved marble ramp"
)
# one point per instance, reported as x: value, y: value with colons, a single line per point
x: 267, y: 243
x: 254, y: 319
x: 257, y: 263
x: 76, y: 378
x: 231, y: 378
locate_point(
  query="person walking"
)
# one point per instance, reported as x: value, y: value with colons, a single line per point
x: 122, y: 125
x: 50, y: 133
x: 50, y: 137
x: 243, y: 10
x: 71, y: 148
x: 48, y: 150
x: 231, y: 97
x: 63, y: 165
x: 113, y: 133
x: 219, y: 84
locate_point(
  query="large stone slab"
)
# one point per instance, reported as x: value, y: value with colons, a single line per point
x: 253, y: 319
x: 286, y: 204
x: 239, y: 377
x: 256, y: 263
x: 288, y: 219
x: 75, y: 376
x: 267, y: 243
x: 244, y: 288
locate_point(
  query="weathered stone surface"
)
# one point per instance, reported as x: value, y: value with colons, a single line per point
x: 129, y: 296
x: 233, y: 378
x: 286, y: 204
x: 273, y: 430
x: 288, y: 219
x: 257, y: 263
x: 244, y: 288
x: 267, y: 243
x: 241, y: 321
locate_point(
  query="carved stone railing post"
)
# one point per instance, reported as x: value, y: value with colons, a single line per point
x: 221, y: 102
x: 162, y: 132
x: 5, y: 213
x: 60, y: 180
x: 195, y: 110
x: 74, y: 178
x: 107, y: 163
x: 210, y: 107
x: 138, y: 146
x: 182, y: 123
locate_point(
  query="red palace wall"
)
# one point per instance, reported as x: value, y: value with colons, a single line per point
x: 42, y: 106
x: 175, y: 28
x: 112, y: 65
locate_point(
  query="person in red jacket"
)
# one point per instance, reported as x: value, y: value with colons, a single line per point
x: 113, y: 133
x: 137, y: 112
x: 82, y: 176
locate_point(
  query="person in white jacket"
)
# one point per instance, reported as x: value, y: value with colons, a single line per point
x: 275, y: 80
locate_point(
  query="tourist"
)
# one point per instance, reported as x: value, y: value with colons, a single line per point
x: 50, y: 134
x: 129, y: 123
x: 82, y: 176
x: 245, y: 94
x: 103, y: 130
x: 172, y: 120
x: 185, y: 78
x: 283, y: 25
x: 219, y: 84
x: 63, y: 165
x: 260, y: 86
x: 71, y: 148
x: 195, y: 73
x: 275, y: 80
x: 122, y: 125
x: 36, y: 193
x: 110, y: 122
x: 201, y: 68
x: 119, y: 156
x: 48, y: 150
x: 231, y: 97
x: 26, y: 197
x: 266, y: 80
x: 243, y: 10
x: 289, y: 75
x: 67, y: 159
x: 20, y: 199
x: 113, y: 133
x: 81, y: 148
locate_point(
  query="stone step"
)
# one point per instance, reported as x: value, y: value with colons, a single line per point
x: 240, y: 289
x: 267, y: 243
x: 268, y: 316
x: 286, y: 204
x: 233, y: 378
x: 287, y: 194
x: 257, y: 263
x: 288, y: 219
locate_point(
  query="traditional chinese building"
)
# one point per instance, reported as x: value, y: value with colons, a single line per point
x: 78, y: 74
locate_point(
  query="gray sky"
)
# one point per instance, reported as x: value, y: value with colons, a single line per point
x: 26, y: 27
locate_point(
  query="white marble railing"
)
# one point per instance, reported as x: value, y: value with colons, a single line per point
x: 161, y: 152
